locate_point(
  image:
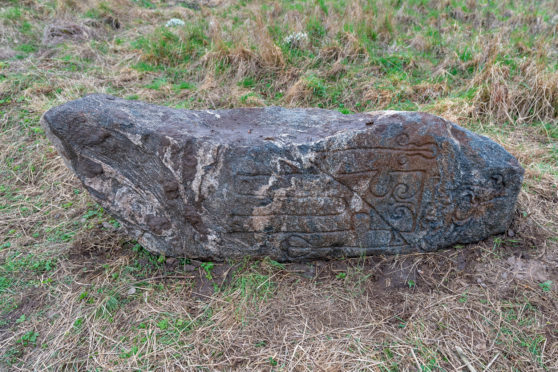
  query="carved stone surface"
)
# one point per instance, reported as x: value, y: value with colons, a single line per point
x: 293, y: 184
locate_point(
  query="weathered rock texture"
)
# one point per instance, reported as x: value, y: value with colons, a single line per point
x: 293, y: 184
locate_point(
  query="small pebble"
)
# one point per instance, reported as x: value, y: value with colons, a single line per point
x: 108, y: 226
x: 175, y: 22
x: 189, y: 268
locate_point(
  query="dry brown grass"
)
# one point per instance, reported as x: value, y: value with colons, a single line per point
x: 480, y: 299
x: 532, y: 96
x: 94, y: 301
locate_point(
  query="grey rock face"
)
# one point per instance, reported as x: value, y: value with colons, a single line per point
x: 292, y: 184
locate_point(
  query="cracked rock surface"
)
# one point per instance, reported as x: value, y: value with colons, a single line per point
x: 292, y: 184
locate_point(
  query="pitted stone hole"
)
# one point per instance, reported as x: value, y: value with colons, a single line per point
x: 369, y: 123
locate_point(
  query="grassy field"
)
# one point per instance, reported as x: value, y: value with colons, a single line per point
x: 75, y: 294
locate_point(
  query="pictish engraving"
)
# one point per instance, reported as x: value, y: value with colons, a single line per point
x: 388, y: 182
x: 291, y: 184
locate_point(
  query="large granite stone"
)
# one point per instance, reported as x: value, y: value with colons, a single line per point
x: 292, y: 184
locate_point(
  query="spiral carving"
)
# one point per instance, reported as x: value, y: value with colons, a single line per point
x: 400, y: 212
x: 381, y: 187
x: 403, y: 191
x: 401, y: 217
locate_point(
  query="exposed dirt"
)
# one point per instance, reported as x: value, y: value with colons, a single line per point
x: 30, y: 301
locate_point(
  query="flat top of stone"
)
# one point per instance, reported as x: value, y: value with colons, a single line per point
x: 241, y: 125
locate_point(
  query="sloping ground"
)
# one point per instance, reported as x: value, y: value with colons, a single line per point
x: 75, y: 294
